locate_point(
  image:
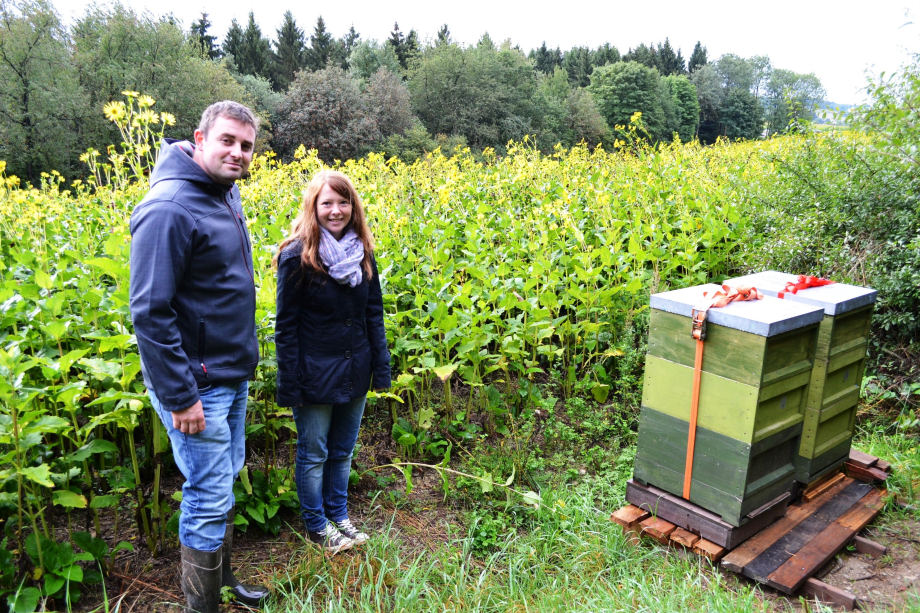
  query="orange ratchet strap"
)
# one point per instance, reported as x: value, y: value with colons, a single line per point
x: 698, y: 315
x: 804, y: 282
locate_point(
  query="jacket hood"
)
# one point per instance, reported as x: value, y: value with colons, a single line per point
x: 176, y: 161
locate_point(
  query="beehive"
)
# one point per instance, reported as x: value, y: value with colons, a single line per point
x: 840, y: 357
x: 757, y: 366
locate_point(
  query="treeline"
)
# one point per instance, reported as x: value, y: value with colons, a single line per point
x: 347, y: 96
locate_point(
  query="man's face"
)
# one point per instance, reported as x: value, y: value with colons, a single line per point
x: 225, y: 153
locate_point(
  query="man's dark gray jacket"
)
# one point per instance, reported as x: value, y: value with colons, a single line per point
x: 193, y: 297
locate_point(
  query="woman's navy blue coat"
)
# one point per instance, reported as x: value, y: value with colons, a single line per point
x: 329, y: 338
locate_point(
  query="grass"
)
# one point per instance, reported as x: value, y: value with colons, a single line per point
x: 573, y: 558
x: 565, y: 556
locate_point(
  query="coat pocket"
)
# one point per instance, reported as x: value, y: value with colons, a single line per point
x: 289, y: 392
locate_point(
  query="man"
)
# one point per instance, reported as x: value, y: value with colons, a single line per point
x: 193, y: 304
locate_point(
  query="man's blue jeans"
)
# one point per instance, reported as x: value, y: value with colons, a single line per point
x: 326, y: 437
x: 210, y: 462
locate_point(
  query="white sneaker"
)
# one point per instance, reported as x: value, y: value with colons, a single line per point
x: 348, y: 529
x: 330, y: 539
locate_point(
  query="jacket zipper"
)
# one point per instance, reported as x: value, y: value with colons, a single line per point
x: 201, y: 347
x: 243, y: 246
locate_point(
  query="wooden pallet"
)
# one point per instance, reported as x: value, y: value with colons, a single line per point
x: 866, y: 467
x: 783, y: 553
x: 637, y: 522
x: 786, y: 554
x: 695, y: 519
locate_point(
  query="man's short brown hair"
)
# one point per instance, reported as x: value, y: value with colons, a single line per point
x: 229, y: 109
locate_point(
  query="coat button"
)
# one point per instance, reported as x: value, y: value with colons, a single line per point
x: 347, y: 354
x: 348, y: 322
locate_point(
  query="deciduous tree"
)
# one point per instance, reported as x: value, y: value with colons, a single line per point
x: 324, y: 110
x: 389, y: 103
x: 791, y: 98
x: 116, y: 49
x: 368, y: 57
x: 40, y: 100
x: 484, y: 94
x: 741, y: 115
x: 686, y: 103
x: 624, y: 88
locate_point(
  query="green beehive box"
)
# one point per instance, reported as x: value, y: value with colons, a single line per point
x: 843, y: 338
x: 757, y: 367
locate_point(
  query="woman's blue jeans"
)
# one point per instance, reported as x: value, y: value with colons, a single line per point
x: 210, y: 462
x: 326, y: 437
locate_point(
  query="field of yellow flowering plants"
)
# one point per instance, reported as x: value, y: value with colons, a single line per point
x: 503, y: 277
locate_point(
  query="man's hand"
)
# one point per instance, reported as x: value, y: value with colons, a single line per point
x: 190, y: 420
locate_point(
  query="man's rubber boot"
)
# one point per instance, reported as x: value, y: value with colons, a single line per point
x: 251, y: 595
x: 201, y: 580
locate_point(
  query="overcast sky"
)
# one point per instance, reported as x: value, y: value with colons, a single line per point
x: 837, y: 41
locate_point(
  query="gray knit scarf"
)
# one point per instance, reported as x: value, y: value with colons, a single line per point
x: 342, y: 257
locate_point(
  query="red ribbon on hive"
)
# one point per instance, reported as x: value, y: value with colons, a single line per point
x: 804, y: 282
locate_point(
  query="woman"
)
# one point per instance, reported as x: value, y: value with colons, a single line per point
x: 330, y: 341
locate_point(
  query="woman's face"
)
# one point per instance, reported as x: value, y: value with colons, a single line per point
x: 333, y: 211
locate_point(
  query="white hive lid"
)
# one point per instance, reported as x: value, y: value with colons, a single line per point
x: 767, y: 317
x: 835, y: 299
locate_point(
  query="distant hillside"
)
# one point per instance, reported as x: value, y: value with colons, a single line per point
x: 832, y: 112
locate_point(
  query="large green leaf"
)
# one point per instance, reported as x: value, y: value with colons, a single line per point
x: 92, y: 447
x: 24, y: 600
x: 38, y: 474
x: 66, y: 498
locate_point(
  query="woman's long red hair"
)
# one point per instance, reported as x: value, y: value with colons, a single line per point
x: 306, y: 226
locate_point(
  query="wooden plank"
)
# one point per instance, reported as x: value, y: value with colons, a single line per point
x: 709, y: 550
x: 726, y: 407
x: 783, y: 410
x: 810, y: 469
x: 883, y: 465
x: 870, y: 548
x: 762, y: 554
x: 862, y: 459
x: 789, y: 348
x: 629, y: 517
x: 684, y: 538
x: 730, y: 478
x: 753, y: 547
x: 829, y: 593
x: 730, y: 353
x: 700, y: 521
x: 814, y: 554
x: 719, y: 460
x: 825, y: 333
x: 822, y: 486
x: 819, y: 550
x: 657, y: 528
x: 868, y: 475
x: 861, y: 514
x: 852, y: 327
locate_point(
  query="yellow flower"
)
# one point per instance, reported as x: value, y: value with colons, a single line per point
x: 168, y: 119
x: 130, y: 94
x: 114, y: 110
x: 147, y: 117
x: 145, y: 101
